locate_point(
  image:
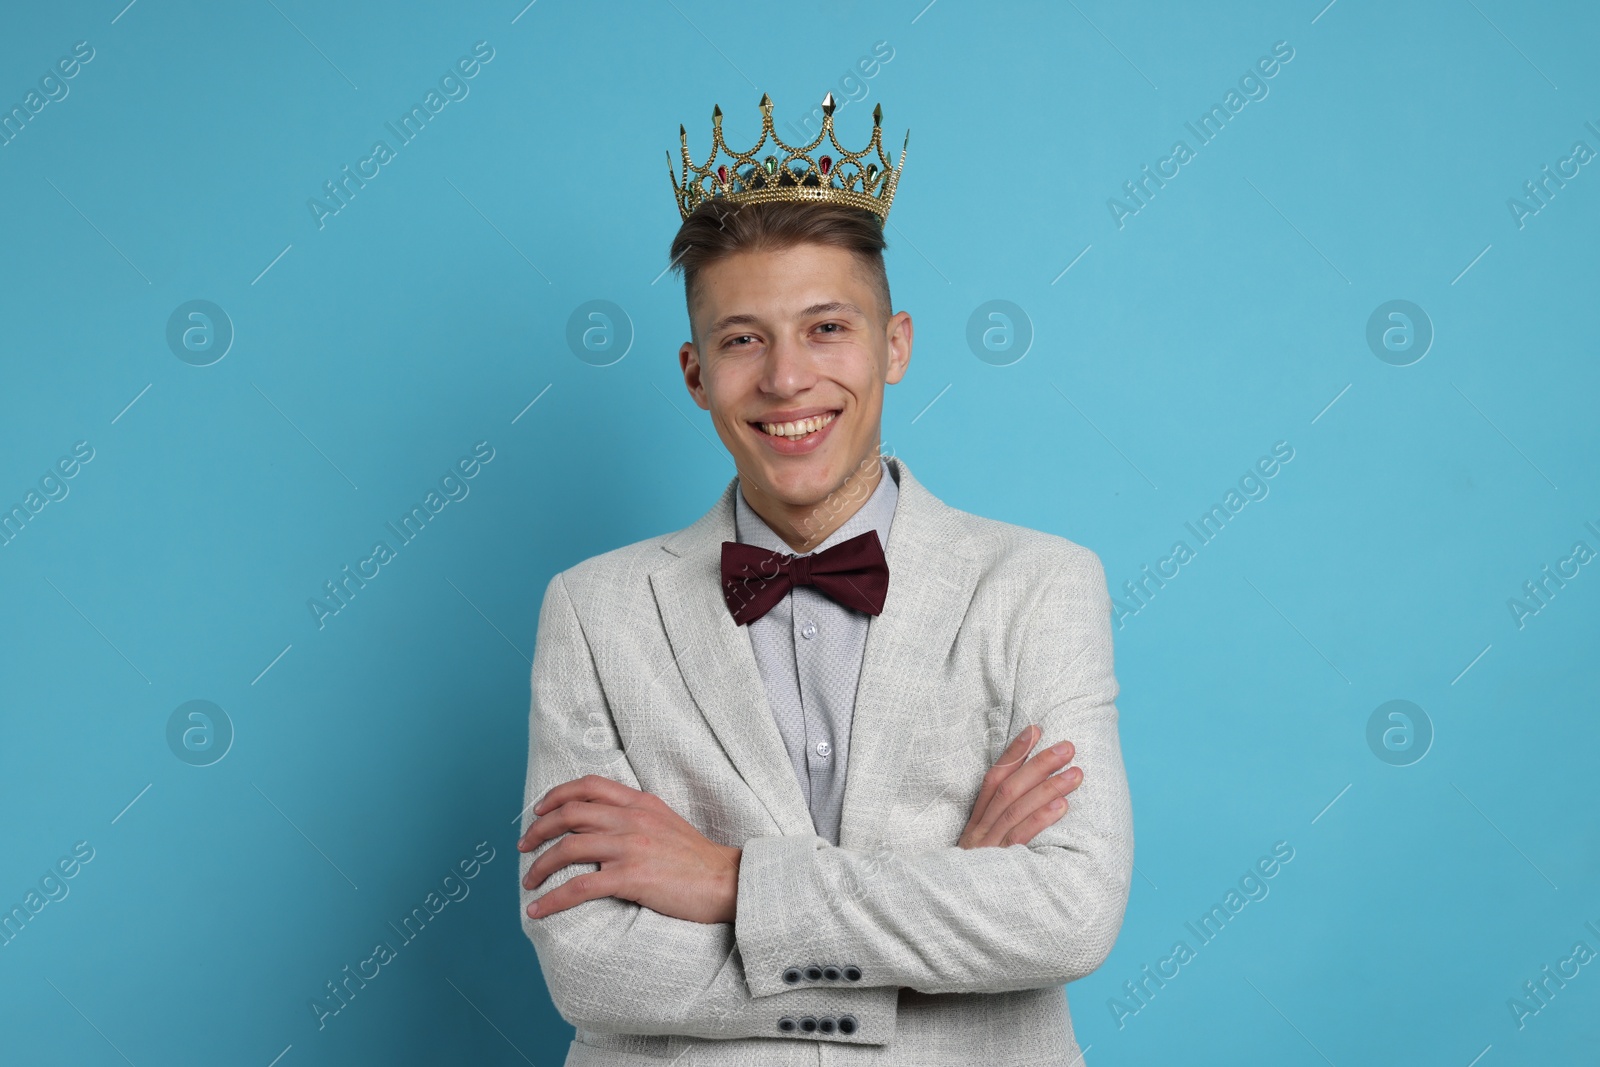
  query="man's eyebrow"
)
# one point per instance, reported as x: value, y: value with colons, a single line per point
x: 732, y: 320
x: 831, y: 306
x: 745, y: 319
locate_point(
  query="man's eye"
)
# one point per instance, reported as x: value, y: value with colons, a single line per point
x: 741, y: 337
x: 834, y: 325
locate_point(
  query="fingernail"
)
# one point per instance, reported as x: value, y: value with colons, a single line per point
x: 533, y: 910
x: 1061, y: 748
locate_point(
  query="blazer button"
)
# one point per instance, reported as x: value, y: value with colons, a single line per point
x: 791, y: 975
x: 852, y: 973
x: 786, y: 1024
x: 814, y: 972
x: 847, y: 1024
x: 825, y: 1024
x: 808, y: 1023
x: 831, y: 973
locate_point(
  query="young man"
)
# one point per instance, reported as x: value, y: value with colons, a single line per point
x: 772, y: 815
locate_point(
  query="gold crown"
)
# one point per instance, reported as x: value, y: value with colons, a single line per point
x: 799, y: 176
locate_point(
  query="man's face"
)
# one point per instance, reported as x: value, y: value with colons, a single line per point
x: 784, y: 337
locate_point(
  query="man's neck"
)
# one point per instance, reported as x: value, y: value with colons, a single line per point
x: 805, y: 526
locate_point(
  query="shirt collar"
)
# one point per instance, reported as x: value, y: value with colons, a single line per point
x: 876, y: 514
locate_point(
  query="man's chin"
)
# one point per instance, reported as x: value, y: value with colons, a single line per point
x: 803, y: 481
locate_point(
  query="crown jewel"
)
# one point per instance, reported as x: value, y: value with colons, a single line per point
x: 838, y: 177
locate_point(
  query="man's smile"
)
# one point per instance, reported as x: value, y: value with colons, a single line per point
x: 796, y: 431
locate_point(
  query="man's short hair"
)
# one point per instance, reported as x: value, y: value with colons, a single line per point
x: 715, y: 230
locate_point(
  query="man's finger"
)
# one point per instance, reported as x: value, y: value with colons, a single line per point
x: 1022, y: 791
x: 574, y: 848
x: 1039, y: 798
x: 589, y: 787
x: 1025, y: 831
x: 1014, y: 754
x: 592, y: 886
x: 1020, y: 746
x: 582, y: 816
x: 1012, y: 793
x: 995, y: 775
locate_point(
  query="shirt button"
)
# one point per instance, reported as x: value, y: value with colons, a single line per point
x: 808, y: 631
x: 823, y: 748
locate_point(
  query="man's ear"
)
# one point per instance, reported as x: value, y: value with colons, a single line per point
x: 899, y: 337
x: 689, y: 360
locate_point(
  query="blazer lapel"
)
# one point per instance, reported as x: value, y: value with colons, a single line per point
x: 932, y: 577
x: 719, y: 666
x: 931, y: 581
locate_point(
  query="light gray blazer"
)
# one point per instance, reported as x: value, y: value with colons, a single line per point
x: 895, y: 947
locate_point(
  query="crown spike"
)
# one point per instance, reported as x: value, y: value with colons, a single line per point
x: 766, y: 101
x: 716, y: 114
x: 828, y: 105
x: 877, y: 115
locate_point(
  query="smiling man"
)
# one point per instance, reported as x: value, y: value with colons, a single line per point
x: 782, y: 785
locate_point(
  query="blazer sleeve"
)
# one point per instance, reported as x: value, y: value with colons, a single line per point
x: 615, y: 966
x: 985, y: 920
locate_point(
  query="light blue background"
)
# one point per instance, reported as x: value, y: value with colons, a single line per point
x: 1228, y: 314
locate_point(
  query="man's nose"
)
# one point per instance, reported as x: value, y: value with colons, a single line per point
x: 789, y: 367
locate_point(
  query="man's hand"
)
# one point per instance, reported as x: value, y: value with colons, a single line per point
x: 647, y: 852
x: 1019, y: 798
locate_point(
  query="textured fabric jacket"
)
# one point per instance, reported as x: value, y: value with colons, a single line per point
x: 895, y: 947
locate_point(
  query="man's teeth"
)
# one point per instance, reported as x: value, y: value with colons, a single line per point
x: 796, y: 430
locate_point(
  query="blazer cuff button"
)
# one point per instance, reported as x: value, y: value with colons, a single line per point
x: 825, y: 1024
x: 852, y: 974
x: 831, y: 973
x: 847, y: 1024
x: 791, y: 975
x: 814, y: 972
x: 808, y: 1023
x: 786, y: 1024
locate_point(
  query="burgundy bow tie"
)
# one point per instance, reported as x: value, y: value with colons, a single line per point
x: 853, y: 573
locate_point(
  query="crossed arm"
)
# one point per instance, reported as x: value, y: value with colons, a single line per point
x: 677, y: 934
